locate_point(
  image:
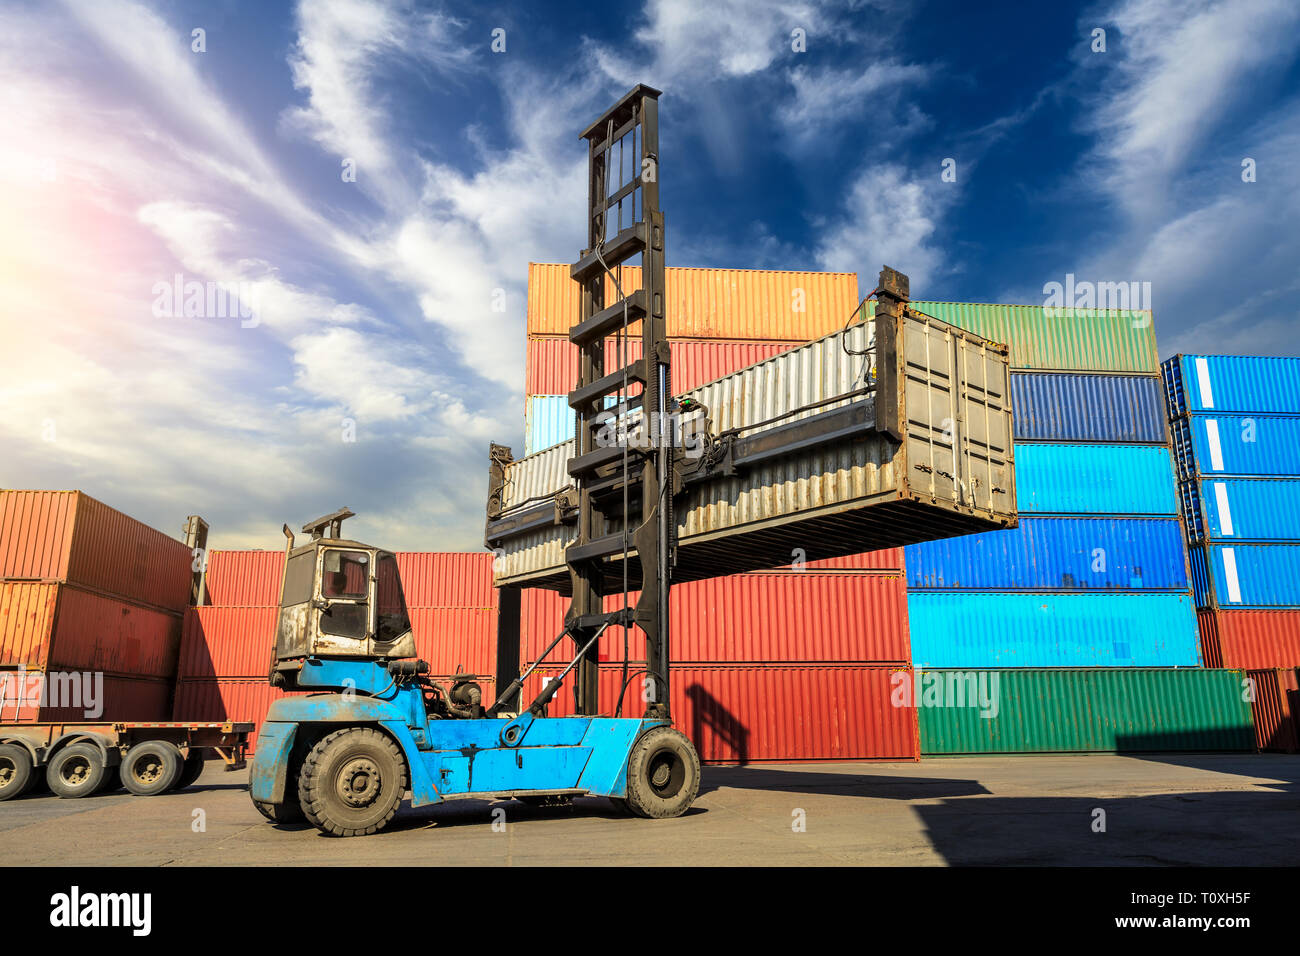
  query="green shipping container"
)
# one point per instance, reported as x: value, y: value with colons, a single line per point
x: 1082, y: 340
x: 1047, y: 710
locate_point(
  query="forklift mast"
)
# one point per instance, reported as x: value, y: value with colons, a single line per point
x: 624, y: 462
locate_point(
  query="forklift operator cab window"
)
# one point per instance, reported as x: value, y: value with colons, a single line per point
x: 391, y: 621
x: 345, y: 577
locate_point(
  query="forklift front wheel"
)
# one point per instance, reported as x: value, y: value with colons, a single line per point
x: 352, y: 782
x: 663, y: 774
x: 280, y: 812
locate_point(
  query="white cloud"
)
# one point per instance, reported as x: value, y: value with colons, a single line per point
x: 890, y: 219
x: 824, y: 98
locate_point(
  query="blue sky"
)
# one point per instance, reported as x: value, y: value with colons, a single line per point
x: 127, y: 158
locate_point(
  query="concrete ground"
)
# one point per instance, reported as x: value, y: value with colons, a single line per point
x: 1037, y: 810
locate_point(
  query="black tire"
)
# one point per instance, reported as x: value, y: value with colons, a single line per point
x: 17, y: 773
x: 352, y: 782
x: 191, y: 770
x: 76, y: 771
x: 289, y: 812
x: 151, y: 767
x: 663, y: 774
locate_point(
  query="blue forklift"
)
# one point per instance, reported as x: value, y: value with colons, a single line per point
x: 374, y: 724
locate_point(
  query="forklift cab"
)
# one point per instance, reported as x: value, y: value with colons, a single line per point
x: 340, y: 599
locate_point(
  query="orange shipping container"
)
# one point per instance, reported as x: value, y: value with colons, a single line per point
x: 447, y: 578
x: 59, y: 627
x: 456, y: 639
x: 741, y: 304
x: 244, y: 578
x: 67, y: 536
x: 227, y: 642
x: 552, y: 367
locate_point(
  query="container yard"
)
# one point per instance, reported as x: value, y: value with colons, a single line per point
x: 429, y: 445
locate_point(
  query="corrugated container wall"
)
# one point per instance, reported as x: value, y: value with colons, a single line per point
x: 1276, y: 708
x: 1068, y: 554
x: 68, y: 536
x: 1241, y: 509
x: 1263, y: 638
x: 58, y: 627
x: 777, y: 713
x: 1068, y: 710
x: 103, y: 698
x: 1258, y: 384
x: 1243, y: 446
x: 1052, y: 629
x: 1246, y: 575
x: 1095, y: 479
x: 1089, y: 407
x: 741, y: 304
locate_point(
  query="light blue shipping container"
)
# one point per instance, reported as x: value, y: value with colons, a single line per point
x: 1241, y: 509
x: 1260, y: 384
x: 1082, y: 406
x: 986, y: 629
x: 1246, y: 575
x: 548, y: 421
x: 1072, y: 554
x: 1237, y: 445
x: 1095, y: 479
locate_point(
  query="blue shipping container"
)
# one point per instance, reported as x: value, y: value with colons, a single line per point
x: 1259, y: 384
x: 1095, y: 479
x: 1078, y: 406
x: 983, y: 629
x: 1246, y: 575
x: 1072, y: 554
x: 1241, y: 509
x: 1240, y: 445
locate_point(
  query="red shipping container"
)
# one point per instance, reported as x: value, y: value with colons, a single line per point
x: 228, y: 642
x: 795, y: 616
x: 73, y: 698
x: 1249, y: 638
x: 769, y: 714
x: 1276, y: 709
x: 244, y: 578
x: 58, y: 627
x: 552, y: 367
x: 447, y: 578
x: 70, y: 537
x: 456, y: 639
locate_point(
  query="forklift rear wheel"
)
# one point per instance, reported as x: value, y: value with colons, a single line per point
x: 289, y: 812
x: 76, y: 771
x: 191, y: 770
x: 352, y: 782
x: 663, y: 774
x: 17, y: 773
x: 151, y: 767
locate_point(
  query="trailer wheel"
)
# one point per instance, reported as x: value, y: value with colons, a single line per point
x: 352, y: 782
x: 17, y: 774
x: 663, y: 774
x: 151, y: 767
x: 191, y: 770
x: 76, y: 771
x: 289, y: 812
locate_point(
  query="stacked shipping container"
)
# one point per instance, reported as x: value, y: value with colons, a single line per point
x: 90, y: 606
x: 792, y: 664
x: 227, y: 647
x: 1236, y: 427
x: 1095, y: 576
